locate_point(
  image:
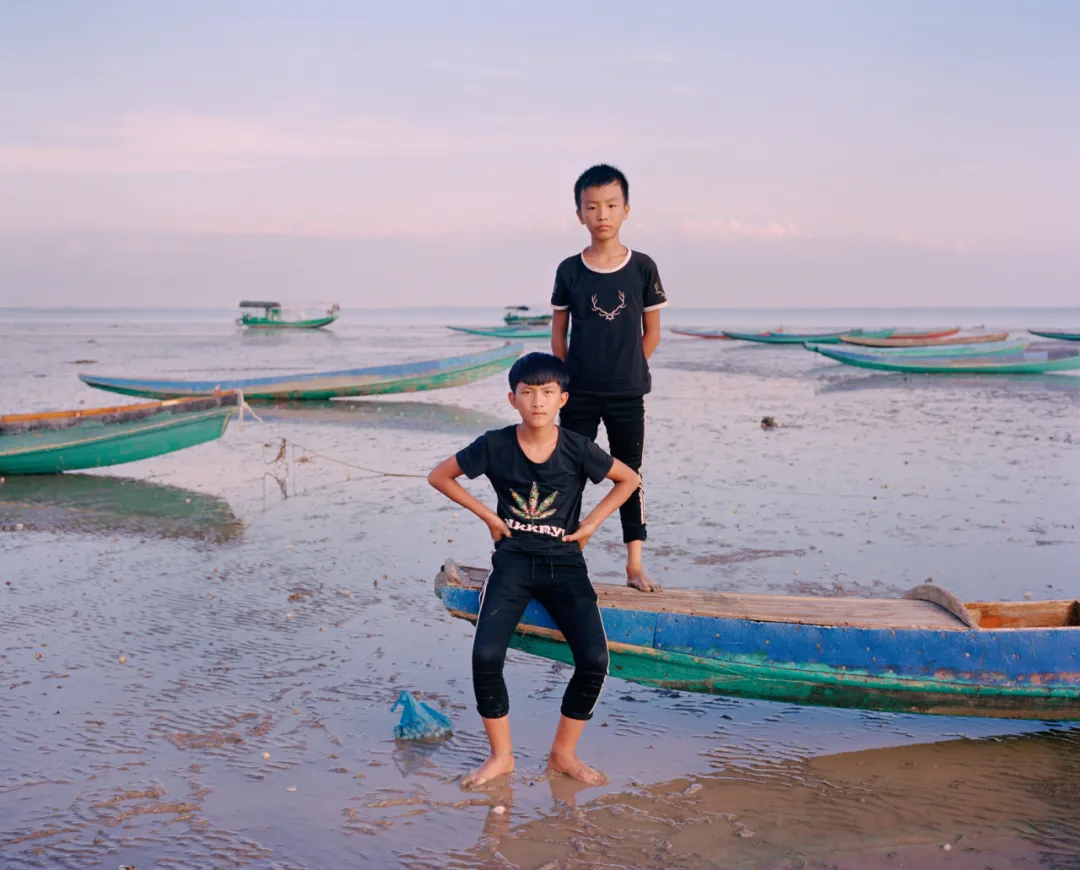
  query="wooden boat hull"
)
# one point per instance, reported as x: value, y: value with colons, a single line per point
x: 1060, y: 336
x: 70, y: 441
x: 934, y: 333
x: 1028, y: 362
x: 404, y: 378
x: 966, y: 350
x: 898, y: 342
x: 263, y: 323
x: 506, y: 332
x: 702, y: 333
x: 936, y: 667
x: 803, y: 337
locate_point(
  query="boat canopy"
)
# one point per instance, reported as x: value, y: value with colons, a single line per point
x: 517, y: 307
x: 249, y: 304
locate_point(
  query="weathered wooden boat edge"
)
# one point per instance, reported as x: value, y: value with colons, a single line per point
x: 403, y: 377
x: 939, y: 692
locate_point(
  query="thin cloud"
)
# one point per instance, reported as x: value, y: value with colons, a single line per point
x: 732, y: 229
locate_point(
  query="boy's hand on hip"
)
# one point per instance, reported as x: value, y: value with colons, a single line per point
x: 582, y: 535
x: 499, y: 529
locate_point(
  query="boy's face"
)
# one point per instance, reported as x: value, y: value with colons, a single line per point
x: 603, y: 210
x: 538, y: 405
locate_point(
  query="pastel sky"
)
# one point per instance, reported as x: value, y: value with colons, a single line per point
x: 423, y: 153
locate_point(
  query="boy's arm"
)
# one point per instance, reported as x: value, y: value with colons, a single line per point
x: 626, y: 481
x: 444, y: 478
x: 650, y: 326
x: 560, y: 326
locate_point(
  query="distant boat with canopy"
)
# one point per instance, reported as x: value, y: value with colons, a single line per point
x: 518, y: 315
x: 255, y: 314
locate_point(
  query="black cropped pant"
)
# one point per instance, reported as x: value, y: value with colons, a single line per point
x: 624, y: 419
x: 561, y: 584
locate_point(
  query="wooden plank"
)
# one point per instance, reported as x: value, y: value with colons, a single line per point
x: 1025, y: 614
x: 801, y: 609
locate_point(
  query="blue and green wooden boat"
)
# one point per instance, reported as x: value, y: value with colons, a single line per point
x: 1025, y: 362
x: 924, y: 653
x: 433, y: 374
x: 70, y: 440
x: 904, y: 341
x: 1056, y: 334
x: 803, y: 337
x: 518, y: 332
x: 274, y: 315
x: 1018, y: 345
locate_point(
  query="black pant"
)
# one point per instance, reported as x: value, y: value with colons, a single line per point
x: 561, y: 584
x: 624, y: 419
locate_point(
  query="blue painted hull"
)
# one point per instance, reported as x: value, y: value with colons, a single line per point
x: 1006, y: 673
x: 381, y: 380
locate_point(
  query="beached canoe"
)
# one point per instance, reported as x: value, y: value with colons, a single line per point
x: 1018, y: 345
x: 70, y: 440
x: 893, y: 341
x: 517, y: 332
x: 702, y: 333
x: 930, y: 333
x: 803, y: 337
x: 1060, y: 336
x: 1027, y: 362
x: 434, y: 374
x: 924, y: 653
x: 274, y: 315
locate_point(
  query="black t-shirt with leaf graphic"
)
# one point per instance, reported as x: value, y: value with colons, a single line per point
x: 606, y: 357
x: 540, y: 502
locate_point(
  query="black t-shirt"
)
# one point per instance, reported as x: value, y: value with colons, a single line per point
x: 540, y: 502
x: 606, y: 357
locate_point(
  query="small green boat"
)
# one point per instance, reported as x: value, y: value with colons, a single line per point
x: 517, y: 332
x: 518, y: 315
x: 804, y: 337
x: 1056, y: 334
x: 1027, y: 362
x: 70, y: 440
x: 1018, y: 345
x: 275, y: 316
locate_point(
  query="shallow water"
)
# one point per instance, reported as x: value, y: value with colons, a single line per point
x: 162, y: 633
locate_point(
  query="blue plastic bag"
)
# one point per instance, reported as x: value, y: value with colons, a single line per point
x: 419, y: 721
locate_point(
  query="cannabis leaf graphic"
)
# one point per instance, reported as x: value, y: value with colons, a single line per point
x: 534, y: 509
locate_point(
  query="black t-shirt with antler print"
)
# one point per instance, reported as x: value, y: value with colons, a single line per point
x: 606, y: 357
x: 539, y: 501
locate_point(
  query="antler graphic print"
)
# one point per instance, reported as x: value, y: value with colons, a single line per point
x: 609, y: 315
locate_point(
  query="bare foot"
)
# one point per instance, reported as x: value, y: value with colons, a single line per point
x: 638, y: 579
x: 575, y: 768
x: 495, y: 766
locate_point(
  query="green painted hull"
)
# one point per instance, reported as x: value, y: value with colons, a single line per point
x: 803, y: 338
x: 816, y: 685
x: 264, y: 323
x: 1029, y: 362
x: 96, y: 445
x: 940, y: 352
x: 506, y: 332
x: 1059, y: 336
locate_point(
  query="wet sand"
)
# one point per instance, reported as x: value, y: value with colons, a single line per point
x: 198, y: 660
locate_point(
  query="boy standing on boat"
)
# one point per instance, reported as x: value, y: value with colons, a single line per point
x: 611, y: 298
x: 538, y: 471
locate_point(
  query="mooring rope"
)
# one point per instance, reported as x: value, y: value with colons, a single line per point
x: 375, y: 472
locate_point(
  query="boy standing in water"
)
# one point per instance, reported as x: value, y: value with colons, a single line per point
x: 538, y: 471
x: 611, y: 298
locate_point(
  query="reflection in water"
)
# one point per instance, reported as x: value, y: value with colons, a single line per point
x: 93, y: 504
x: 410, y: 415
x: 1001, y: 802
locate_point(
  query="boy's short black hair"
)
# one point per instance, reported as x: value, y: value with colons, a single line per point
x: 598, y: 176
x: 536, y: 369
